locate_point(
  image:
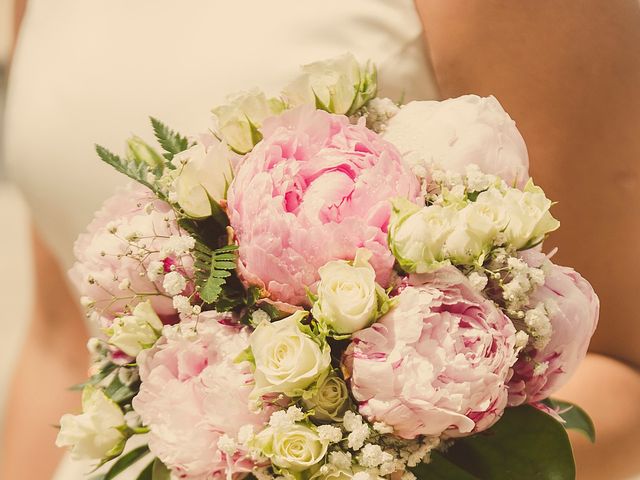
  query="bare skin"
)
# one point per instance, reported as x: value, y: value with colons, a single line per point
x: 567, y: 72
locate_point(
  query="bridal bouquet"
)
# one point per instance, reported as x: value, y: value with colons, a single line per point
x: 330, y: 286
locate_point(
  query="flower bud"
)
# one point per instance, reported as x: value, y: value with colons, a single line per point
x: 139, y: 151
x: 330, y: 400
x: 133, y: 333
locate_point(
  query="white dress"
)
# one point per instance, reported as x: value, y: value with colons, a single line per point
x: 92, y: 71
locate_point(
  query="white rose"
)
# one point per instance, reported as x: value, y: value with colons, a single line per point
x: 204, y: 173
x: 93, y: 434
x: 349, y: 299
x: 338, y: 85
x: 417, y: 235
x: 529, y: 217
x: 286, y: 359
x: 135, y: 332
x: 295, y: 448
x: 242, y: 116
x: 454, y: 133
x: 477, y: 226
x: 330, y: 400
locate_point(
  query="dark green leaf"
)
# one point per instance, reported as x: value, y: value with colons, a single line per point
x: 160, y: 471
x: 526, y: 444
x: 147, y: 473
x: 171, y: 141
x: 441, y: 469
x: 136, y: 171
x: 575, y: 417
x: 126, y: 461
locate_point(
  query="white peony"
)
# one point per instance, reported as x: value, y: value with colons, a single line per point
x: 242, y: 116
x: 349, y: 299
x: 417, y: 235
x: 95, y: 433
x: 204, y: 173
x: 338, y: 85
x: 295, y: 448
x: 287, y: 360
x: 455, y: 133
x: 133, y: 333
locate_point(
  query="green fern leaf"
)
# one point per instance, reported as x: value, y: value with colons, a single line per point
x: 172, y: 142
x: 223, y: 263
x: 137, y: 171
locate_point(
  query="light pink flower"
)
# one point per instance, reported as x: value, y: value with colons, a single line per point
x: 315, y: 189
x: 573, y: 309
x: 133, y: 221
x: 437, y: 362
x: 454, y: 133
x: 193, y: 392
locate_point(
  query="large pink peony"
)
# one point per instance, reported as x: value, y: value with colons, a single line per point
x: 437, y: 362
x: 193, y: 392
x: 315, y: 189
x: 573, y: 309
x: 127, y: 249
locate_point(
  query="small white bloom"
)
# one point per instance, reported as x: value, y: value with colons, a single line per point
x: 351, y: 421
x: 154, y: 270
x: 135, y: 332
x: 132, y: 419
x: 177, y: 245
x: 372, y: 455
x: 295, y: 414
x: 227, y: 444
x: 260, y: 316
x: 174, y: 283
x: 87, y: 302
x: 341, y: 460
x: 363, y: 475
x: 539, y: 325
x: 93, y: 434
x: 329, y: 433
x: 245, y: 434
x: 382, y: 428
x: 407, y: 475
x: 521, y: 340
x: 378, y: 112
x: 356, y: 439
x: 540, y: 368
x: 478, y: 281
x: 124, y: 284
x: 182, y: 305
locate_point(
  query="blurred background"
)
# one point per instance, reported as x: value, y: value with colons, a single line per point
x: 14, y: 258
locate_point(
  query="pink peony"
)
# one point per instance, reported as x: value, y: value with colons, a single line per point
x: 127, y: 249
x: 193, y: 392
x: 454, y: 133
x: 315, y: 189
x: 437, y: 362
x: 573, y: 309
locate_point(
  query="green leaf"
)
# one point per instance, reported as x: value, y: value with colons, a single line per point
x: 575, y: 417
x: 160, y: 471
x: 147, y: 473
x: 220, y: 270
x: 171, y: 141
x: 126, y: 461
x: 525, y: 443
x: 134, y: 170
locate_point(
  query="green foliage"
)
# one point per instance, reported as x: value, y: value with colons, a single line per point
x: 223, y: 262
x: 575, y: 418
x: 171, y: 141
x: 124, y: 462
x: 525, y: 443
x: 134, y: 170
x: 160, y: 471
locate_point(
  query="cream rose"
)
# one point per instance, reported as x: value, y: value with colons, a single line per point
x: 140, y: 152
x: 330, y: 400
x: 133, y: 333
x: 529, y: 217
x: 204, y: 173
x: 287, y: 360
x: 95, y: 433
x: 349, y: 299
x: 338, y: 85
x: 295, y: 448
x: 240, y: 119
x: 417, y: 235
